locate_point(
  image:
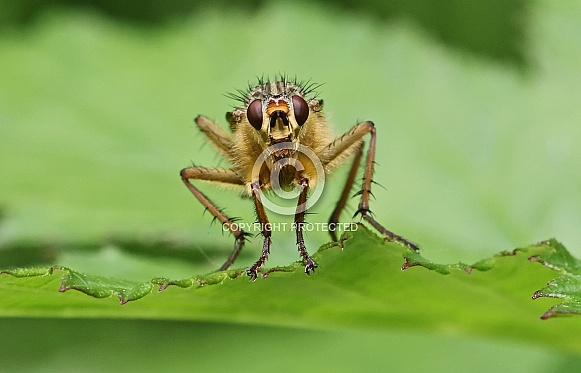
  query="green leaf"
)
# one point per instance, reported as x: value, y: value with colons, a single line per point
x: 550, y: 253
x: 359, y: 284
x: 567, y: 286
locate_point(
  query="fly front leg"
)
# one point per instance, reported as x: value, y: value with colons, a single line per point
x: 221, y: 140
x: 334, y: 153
x: 299, y: 222
x: 221, y: 175
x: 265, y: 228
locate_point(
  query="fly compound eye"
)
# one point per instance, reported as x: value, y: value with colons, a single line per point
x: 254, y: 114
x: 301, y: 110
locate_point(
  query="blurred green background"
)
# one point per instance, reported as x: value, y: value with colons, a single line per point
x: 478, y: 151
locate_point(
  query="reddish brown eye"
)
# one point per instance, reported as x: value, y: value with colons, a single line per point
x: 254, y: 114
x: 301, y: 109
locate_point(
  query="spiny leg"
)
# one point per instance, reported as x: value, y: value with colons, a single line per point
x: 299, y: 222
x: 265, y: 227
x: 334, y: 219
x: 221, y: 140
x: 366, y: 191
x: 222, y: 175
x: 342, y: 144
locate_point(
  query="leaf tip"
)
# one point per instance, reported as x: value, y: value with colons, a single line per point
x: 537, y: 295
x: 547, y: 315
x: 407, y: 264
x: 122, y: 300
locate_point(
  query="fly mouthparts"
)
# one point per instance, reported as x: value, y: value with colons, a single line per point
x: 278, y: 114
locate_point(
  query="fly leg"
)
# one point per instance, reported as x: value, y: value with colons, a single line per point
x: 265, y: 228
x: 299, y: 222
x: 333, y: 154
x: 334, y: 219
x: 221, y: 175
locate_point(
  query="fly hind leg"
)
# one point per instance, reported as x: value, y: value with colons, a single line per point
x: 335, y: 151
